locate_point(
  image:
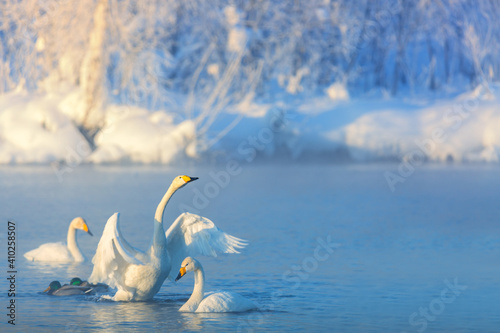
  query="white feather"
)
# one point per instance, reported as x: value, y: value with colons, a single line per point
x: 127, y: 268
x: 139, y: 275
x: 50, y: 252
x: 60, y: 252
x: 221, y: 301
x: 192, y: 235
x: 225, y: 301
x: 113, y: 255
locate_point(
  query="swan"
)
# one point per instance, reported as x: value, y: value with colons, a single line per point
x: 222, y: 301
x: 56, y: 289
x: 60, y: 251
x: 139, y: 275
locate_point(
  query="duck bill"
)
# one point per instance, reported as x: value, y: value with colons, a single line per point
x: 192, y: 179
x: 48, y: 288
x: 182, y: 272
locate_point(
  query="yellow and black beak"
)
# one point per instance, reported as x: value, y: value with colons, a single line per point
x: 188, y: 179
x: 86, y: 229
x: 48, y: 288
x: 182, y: 272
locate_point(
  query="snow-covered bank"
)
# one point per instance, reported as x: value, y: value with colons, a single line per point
x: 35, y: 129
x: 465, y: 128
x: 41, y: 128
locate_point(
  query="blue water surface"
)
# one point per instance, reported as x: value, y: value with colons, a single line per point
x: 332, y: 248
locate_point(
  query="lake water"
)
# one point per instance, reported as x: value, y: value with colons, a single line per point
x: 332, y: 248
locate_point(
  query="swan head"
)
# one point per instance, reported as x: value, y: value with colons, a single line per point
x: 53, y: 286
x: 181, y: 181
x: 188, y: 265
x: 79, y: 223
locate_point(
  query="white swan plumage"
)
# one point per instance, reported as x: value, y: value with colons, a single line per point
x: 59, y: 251
x: 194, y: 235
x: 139, y: 275
x: 221, y: 301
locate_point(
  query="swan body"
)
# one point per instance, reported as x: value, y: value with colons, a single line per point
x: 59, y: 251
x: 222, y: 301
x: 139, y: 275
x: 56, y: 289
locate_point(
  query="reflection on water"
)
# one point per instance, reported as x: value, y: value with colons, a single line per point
x: 192, y: 321
x: 63, y: 269
x: 129, y: 315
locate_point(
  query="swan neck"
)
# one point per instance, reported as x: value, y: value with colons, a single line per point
x: 163, y: 203
x: 199, y: 288
x: 159, y: 243
x: 159, y: 240
x: 73, y: 245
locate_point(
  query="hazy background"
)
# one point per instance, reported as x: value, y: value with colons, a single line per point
x: 171, y: 81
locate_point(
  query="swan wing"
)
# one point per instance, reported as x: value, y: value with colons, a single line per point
x: 192, y: 235
x: 113, y: 255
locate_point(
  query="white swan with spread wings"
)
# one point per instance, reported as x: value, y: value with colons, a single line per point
x: 139, y: 275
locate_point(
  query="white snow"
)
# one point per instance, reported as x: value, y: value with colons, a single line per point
x: 338, y: 92
x: 294, y: 85
x: 40, y: 128
x: 214, y: 80
x: 232, y: 15
x: 236, y: 40
x: 135, y: 135
x: 237, y: 35
x: 213, y: 69
x: 34, y: 130
x: 462, y: 129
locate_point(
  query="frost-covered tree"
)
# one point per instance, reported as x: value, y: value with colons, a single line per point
x: 93, y: 68
x: 217, y: 53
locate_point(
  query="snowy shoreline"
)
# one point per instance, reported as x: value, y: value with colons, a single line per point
x: 40, y: 128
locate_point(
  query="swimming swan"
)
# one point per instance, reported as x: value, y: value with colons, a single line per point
x: 60, y: 251
x: 139, y: 275
x: 222, y: 301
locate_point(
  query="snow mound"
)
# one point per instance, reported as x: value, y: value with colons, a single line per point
x: 33, y: 129
x: 41, y: 128
x: 136, y: 135
x: 460, y: 130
